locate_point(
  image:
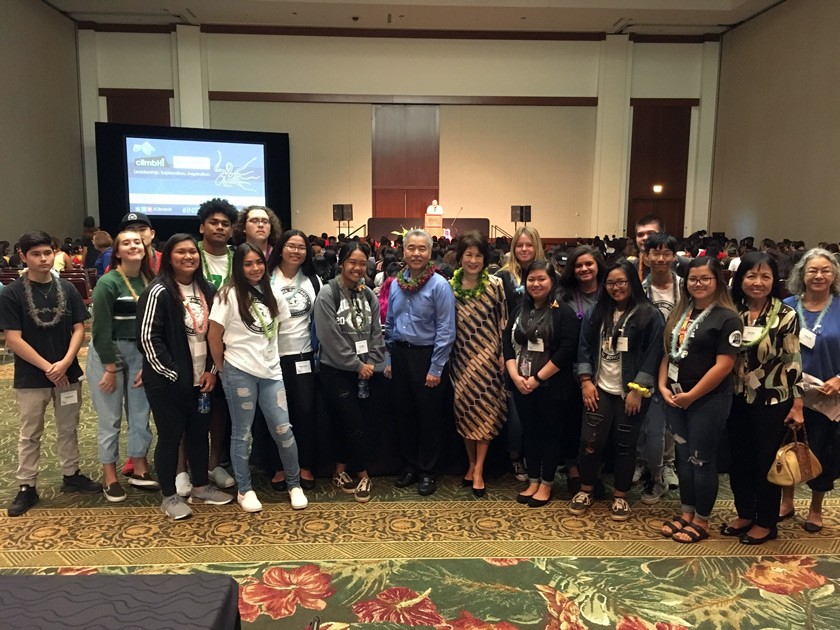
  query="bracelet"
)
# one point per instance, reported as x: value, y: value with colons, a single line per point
x: 113, y: 371
x: 644, y: 391
x: 538, y: 379
x: 585, y: 379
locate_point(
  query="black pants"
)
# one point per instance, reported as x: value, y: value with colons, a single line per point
x: 543, y: 430
x: 300, y: 394
x: 348, y: 416
x: 176, y: 415
x: 610, y: 422
x: 421, y: 415
x: 821, y: 436
x: 755, y: 433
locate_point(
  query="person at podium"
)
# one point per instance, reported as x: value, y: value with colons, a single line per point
x: 434, y: 208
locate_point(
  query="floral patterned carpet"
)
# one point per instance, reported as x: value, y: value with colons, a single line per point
x: 447, y: 561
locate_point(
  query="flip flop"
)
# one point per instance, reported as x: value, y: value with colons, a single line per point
x: 694, y: 533
x: 670, y: 525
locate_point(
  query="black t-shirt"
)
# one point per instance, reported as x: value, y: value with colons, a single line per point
x: 719, y: 333
x: 51, y: 343
x: 92, y: 252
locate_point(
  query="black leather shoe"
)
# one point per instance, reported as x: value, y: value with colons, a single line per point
x: 479, y: 492
x: 746, y: 539
x: 728, y: 530
x: 282, y: 485
x: 535, y: 503
x: 406, y: 479
x: 307, y: 484
x: 811, y: 528
x: 427, y: 486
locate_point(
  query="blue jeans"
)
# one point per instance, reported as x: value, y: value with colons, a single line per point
x: 697, y: 434
x: 651, y: 442
x: 109, y: 407
x: 244, y: 392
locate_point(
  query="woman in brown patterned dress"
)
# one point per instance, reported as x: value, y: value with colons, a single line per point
x: 475, y: 363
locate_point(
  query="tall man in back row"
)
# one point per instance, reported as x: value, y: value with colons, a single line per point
x: 43, y: 317
x: 420, y: 332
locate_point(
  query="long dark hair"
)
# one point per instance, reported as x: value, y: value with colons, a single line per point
x: 568, y: 280
x: 166, y: 274
x: 307, y: 267
x: 533, y: 324
x: 245, y: 292
x: 751, y: 261
x: 604, y: 308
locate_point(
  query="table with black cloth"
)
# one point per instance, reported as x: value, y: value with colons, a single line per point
x: 157, y: 602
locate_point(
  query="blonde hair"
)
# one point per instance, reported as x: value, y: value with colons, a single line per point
x: 512, y: 265
x: 721, y: 297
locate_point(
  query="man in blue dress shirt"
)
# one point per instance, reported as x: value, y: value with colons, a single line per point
x: 420, y: 332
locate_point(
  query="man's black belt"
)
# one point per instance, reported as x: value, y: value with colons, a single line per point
x: 411, y: 346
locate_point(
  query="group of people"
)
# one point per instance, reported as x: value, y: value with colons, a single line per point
x: 652, y: 359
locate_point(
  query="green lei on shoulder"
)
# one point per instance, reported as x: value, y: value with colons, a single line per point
x: 467, y: 294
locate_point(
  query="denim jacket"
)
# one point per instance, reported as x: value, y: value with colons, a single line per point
x: 640, y: 363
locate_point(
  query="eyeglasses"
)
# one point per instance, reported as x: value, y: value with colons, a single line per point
x: 703, y: 281
x: 619, y: 284
x: 295, y: 248
x: 256, y: 221
x: 658, y: 253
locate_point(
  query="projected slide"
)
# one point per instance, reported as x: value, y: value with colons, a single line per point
x: 174, y: 177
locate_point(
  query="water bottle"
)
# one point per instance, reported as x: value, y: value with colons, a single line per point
x: 364, y: 388
x: 204, y: 403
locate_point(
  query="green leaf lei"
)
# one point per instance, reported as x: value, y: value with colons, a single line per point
x: 467, y: 294
x: 415, y: 284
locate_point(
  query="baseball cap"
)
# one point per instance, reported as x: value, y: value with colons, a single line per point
x: 134, y: 217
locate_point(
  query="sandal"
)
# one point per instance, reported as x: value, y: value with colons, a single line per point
x: 671, y: 525
x: 694, y: 532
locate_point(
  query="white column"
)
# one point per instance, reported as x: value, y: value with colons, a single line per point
x: 189, y: 79
x: 702, y: 144
x: 612, y: 137
x: 90, y: 115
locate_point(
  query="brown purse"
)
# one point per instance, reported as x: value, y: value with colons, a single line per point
x: 795, y: 463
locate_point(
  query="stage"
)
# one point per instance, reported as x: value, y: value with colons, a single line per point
x: 385, y: 226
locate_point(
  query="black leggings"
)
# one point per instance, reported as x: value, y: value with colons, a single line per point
x: 176, y: 415
x: 755, y: 433
x: 610, y: 420
x: 347, y: 416
x: 542, y: 425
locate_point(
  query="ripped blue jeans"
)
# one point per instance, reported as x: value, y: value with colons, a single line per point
x: 697, y: 434
x: 244, y: 392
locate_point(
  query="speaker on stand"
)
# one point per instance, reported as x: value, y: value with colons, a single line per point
x: 343, y: 213
x: 520, y: 214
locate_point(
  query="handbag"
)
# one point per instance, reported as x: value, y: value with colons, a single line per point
x: 795, y: 463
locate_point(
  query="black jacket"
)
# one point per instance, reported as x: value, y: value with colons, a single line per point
x: 162, y: 338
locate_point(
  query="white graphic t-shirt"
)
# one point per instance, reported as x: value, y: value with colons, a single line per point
x: 197, y: 343
x: 299, y: 294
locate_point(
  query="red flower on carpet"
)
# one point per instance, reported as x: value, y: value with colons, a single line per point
x: 564, y: 613
x: 505, y: 562
x: 247, y: 611
x: 637, y: 623
x: 280, y: 592
x: 399, y: 605
x: 785, y: 576
x: 466, y: 621
x: 76, y: 571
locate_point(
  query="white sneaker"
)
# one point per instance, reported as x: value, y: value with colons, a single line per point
x: 638, y: 473
x: 221, y: 478
x: 299, y: 500
x: 249, y: 501
x: 183, y: 486
x: 669, y: 476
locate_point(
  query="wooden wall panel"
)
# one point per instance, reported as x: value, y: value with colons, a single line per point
x: 659, y: 155
x: 138, y: 107
x: 405, y: 159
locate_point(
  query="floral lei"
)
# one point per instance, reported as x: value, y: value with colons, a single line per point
x: 467, y: 294
x: 412, y: 285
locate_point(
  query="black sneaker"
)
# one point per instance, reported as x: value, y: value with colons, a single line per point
x: 26, y: 497
x: 77, y: 482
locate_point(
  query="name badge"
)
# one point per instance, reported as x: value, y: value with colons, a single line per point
x: 807, y: 338
x: 303, y: 367
x: 621, y: 344
x: 751, y: 333
x: 673, y: 372
x: 752, y: 381
x: 68, y: 398
x: 536, y: 346
x: 362, y: 346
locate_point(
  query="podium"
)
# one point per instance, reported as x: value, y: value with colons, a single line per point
x: 434, y: 225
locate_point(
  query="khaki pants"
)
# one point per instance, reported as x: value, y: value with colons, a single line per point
x: 33, y: 406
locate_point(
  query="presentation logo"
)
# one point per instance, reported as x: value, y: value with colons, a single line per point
x: 155, y: 162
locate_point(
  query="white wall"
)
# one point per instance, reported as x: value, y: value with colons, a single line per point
x: 41, y: 181
x: 612, y: 70
x: 777, y: 154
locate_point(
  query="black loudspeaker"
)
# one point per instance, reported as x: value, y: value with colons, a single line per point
x: 520, y: 214
x: 342, y: 212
